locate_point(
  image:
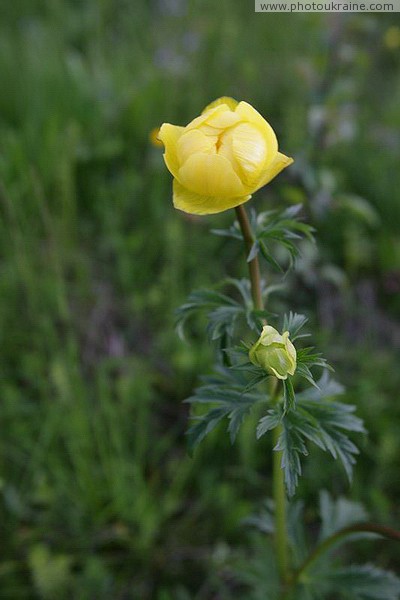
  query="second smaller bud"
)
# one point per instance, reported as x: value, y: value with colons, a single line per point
x: 274, y: 353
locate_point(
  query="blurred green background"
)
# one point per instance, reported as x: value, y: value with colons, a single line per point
x: 98, y: 497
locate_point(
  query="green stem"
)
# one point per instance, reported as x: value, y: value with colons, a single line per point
x: 278, y: 482
x: 254, y: 266
x: 281, y: 543
x: 335, y: 537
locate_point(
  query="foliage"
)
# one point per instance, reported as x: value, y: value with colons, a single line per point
x: 273, y: 227
x: 94, y: 260
x: 310, y: 415
x: 329, y: 576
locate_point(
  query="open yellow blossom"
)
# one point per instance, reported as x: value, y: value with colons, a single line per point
x: 274, y: 353
x: 221, y: 158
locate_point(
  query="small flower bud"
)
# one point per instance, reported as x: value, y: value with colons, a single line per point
x: 274, y: 353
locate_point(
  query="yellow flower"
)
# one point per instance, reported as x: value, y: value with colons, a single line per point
x: 274, y: 353
x: 221, y: 158
x: 154, y: 139
x: 392, y: 37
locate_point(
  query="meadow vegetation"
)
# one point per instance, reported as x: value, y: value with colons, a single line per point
x: 99, y: 498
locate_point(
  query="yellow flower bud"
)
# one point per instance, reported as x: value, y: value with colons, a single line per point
x: 392, y: 37
x: 274, y: 353
x: 153, y: 137
x: 220, y: 158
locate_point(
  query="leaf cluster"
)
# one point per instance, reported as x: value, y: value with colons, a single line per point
x: 224, y: 314
x: 327, y: 576
x: 316, y: 418
x: 225, y: 393
x: 274, y: 228
x: 313, y: 415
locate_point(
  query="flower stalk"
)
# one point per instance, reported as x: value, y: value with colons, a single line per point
x: 278, y: 483
x: 279, y: 496
x: 254, y: 266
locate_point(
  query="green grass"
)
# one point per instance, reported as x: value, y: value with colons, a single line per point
x: 99, y: 498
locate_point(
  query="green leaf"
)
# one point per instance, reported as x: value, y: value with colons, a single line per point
x: 258, y: 573
x: 233, y: 231
x: 305, y: 372
x: 222, y: 312
x: 264, y: 520
x: 283, y: 228
x: 327, y: 387
x: 204, y: 425
x: 318, y: 419
x: 289, y: 399
x: 293, y: 323
x: 265, y: 252
x: 362, y: 582
x: 292, y: 445
x: 228, y: 393
x: 273, y: 228
x: 326, y: 424
x: 308, y: 356
x: 253, y: 252
x: 271, y: 420
x: 257, y: 379
x: 337, y: 514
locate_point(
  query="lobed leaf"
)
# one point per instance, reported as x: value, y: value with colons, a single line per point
x: 228, y: 391
x: 362, y: 582
x: 315, y: 418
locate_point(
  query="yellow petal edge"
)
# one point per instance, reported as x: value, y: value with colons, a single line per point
x: 196, y: 204
x: 230, y: 102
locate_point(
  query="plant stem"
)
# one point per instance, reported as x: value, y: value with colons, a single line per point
x: 279, y: 494
x: 386, y: 532
x: 278, y: 483
x: 254, y: 266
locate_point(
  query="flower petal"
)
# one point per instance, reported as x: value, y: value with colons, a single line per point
x: 223, y: 120
x: 250, y: 115
x: 192, y: 142
x: 197, y: 204
x: 203, y: 118
x: 169, y: 135
x: 281, y: 162
x: 211, y: 175
x: 230, y: 102
x: 250, y: 151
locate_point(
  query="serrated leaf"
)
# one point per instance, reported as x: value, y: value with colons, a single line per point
x: 271, y: 420
x: 253, y: 252
x: 263, y: 520
x: 321, y: 421
x: 231, y: 233
x: 289, y: 399
x: 256, y: 318
x: 291, y: 443
x: 327, y: 388
x: 226, y: 391
x: 283, y: 228
x: 222, y: 311
x: 297, y: 532
x: 293, y: 323
x: 244, y: 288
x: 257, y: 379
x: 305, y: 372
x: 363, y: 582
x: 236, y: 418
x: 268, y: 256
x: 204, y: 425
x: 309, y: 357
x: 337, y: 514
